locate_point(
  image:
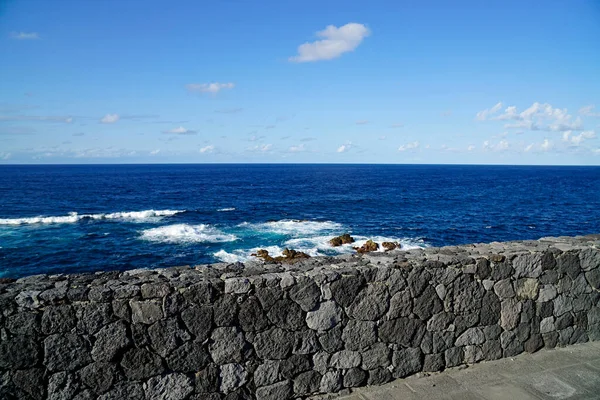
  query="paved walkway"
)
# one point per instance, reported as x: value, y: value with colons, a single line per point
x: 572, y: 372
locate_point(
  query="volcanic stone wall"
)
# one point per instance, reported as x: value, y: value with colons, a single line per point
x: 234, y: 331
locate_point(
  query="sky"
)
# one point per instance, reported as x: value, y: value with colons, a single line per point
x: 239, y: 81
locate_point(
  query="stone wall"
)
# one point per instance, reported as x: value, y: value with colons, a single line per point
x: 275, y: 332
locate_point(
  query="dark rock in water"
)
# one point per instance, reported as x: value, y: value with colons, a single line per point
x: 367, y: 247
x: 340, y: 240
x: 7, y: 280
x: 289, y: 256
x: 388, y: 246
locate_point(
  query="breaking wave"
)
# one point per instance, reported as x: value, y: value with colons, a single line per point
x: 184, y: 233
x: 294, y: 227
x: 226, y: 209
x: 316, y: 246
x: 73, y: 217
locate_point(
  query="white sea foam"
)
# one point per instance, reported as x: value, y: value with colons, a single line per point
x: 226, y: 209
x: 246, y: 254
x: 184, y: 233
x: 316, y: 246
x: 294, y: 227
x: 73, y: 217
x: 319, y: 245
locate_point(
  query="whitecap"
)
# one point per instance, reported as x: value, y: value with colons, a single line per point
x: 294, y: 227
x: 242, y: 255
x: 73, y: 217
x: 319, y: 245
x: 184, y: 233
x: 226, y: 209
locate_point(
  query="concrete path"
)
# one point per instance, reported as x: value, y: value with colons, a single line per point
x: 565, y: 373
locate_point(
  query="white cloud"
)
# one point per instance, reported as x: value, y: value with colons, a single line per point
x: 483, y: 115
x: 539, y: 116
x: 362, y: 122
x: 523, y: 125
x: 154, y: 152
x: 336, y: 41
x: 500, y: 146
x: 382, y: 137
x: 36, y: 118
x: 409, y: 146
x: 528, y: 148
x: 345, y: 147
x: 262, y: 148
x: 207, y: 149
x: 577, y: 139
x: 25, y: 35
x: 470, y: 148
x: 566, y: 136
x: 588, y: 111
x: 213, y: 87
x: 546, y: 145
x: 110, y: 118
x: 180, y: 131
x: 5, y: 156
x: 297, y: 149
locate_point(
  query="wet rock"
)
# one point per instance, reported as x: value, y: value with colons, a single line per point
x: 168, y: 387
x: 340, y: 240
x: 368, y: 247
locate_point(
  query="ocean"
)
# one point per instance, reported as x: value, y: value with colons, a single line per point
x: 83, y: 218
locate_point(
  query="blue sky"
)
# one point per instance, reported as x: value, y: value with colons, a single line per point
x: 494, y: 82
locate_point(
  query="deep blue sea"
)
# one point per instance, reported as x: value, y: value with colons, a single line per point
x: 56, y: 219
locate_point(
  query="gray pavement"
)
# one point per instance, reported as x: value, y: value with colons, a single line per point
x: 572, y: 372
